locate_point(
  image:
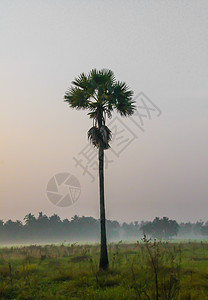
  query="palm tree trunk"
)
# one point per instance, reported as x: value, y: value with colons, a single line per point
x: 103, y: 244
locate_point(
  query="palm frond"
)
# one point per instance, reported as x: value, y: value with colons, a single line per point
x: 93, y: 136
x: 106, y: 136
x: 81, y: 81
x: 100, y: 136
x: 103, y: 78
x: 77, y: 98
x: 122, y: 99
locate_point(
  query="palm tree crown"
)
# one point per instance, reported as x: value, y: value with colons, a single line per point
x: 100, y: 93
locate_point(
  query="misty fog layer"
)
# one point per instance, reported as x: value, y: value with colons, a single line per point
x: 44, y: 229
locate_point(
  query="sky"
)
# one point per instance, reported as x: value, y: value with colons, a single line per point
x: 158, y: 165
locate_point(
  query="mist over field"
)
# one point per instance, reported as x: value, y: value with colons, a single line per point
x: 45, y: 229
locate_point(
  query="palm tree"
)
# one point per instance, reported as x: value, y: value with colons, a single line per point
x: 100, y: 93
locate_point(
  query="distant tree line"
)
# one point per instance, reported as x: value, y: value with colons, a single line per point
x: 161, y: 228
x: 53, y: 229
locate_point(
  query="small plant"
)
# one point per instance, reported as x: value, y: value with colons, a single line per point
x: 165, y: 269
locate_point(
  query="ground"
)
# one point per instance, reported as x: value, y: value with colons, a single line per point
x: 142, y: 270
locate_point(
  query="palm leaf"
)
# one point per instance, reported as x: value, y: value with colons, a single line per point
x: 100, y: 136
x: 106, y: 136
x: 122, y: 99
x: 77, y: 98
x: 93, y: 136
x: 81, y: 81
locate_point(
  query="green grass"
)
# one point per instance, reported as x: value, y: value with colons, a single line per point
x: 136, y: 271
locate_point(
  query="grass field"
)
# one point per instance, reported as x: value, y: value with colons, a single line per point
x: 143, y: 270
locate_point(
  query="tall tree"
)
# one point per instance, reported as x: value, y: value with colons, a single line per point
x: 100, y: 93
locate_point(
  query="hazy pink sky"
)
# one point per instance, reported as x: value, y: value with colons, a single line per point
x: 158, y: 47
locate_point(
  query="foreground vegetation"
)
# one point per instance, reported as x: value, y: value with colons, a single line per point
x: 143, y: 270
